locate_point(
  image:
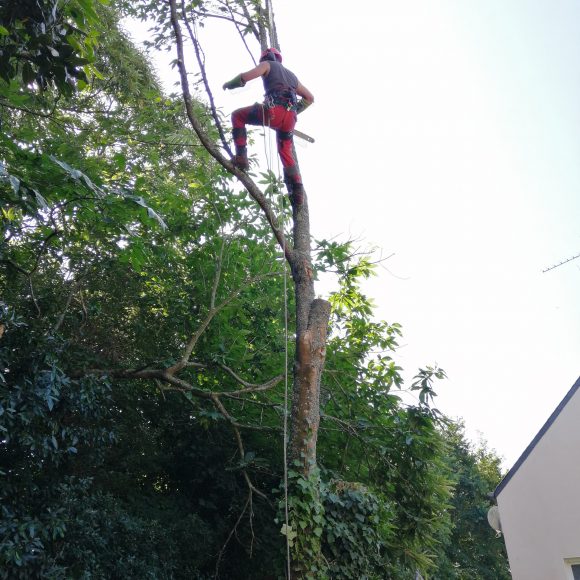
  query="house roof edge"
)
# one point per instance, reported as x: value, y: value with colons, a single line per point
x: 537, y: 438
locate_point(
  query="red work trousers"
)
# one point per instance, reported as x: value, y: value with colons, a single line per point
x: 278, y: 118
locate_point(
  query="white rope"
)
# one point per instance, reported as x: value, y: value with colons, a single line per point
x: 268, y: 148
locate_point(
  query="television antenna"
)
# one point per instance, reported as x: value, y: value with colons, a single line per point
x: 561, y: 263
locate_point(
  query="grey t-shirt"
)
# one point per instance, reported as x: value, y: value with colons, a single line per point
x: 279, y: 79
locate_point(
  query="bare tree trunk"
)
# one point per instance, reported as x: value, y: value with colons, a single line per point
x: 311, y: 328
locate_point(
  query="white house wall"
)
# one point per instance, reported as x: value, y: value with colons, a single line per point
x: 540, y: 505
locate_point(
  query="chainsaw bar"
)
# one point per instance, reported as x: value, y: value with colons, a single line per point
x: 303, y: 136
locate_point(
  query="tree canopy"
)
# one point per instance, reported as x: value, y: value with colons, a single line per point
x: 124, y: 245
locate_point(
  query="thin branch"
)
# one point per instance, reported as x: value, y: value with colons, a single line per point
x: 251, y: 401
x: 240, y: 32
x: 248, y: 17
x: 232, y: 532
x: 15, y: 266
x: 33, y: 296
x: 155, y: 142
x: 201, y: 65
x: 217, y: 276
x: 38, y: 256
x: 193, y: 340
x: 235, y: 428
x: 347, y: 427
x: 249, y: 387
x: 231, y: 18
x: 229, y: 418
x: 42, y: 248
x: 211, y: 314
x: 257, y: 428
x: 60, y: 319
x: 163, y: 375
x: 257, y: 388
x: 34, y: 113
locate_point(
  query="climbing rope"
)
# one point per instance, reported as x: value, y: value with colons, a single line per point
x: 268, y: 148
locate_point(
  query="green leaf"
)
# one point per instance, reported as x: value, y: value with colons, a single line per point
x: 15, y: 183
x: 288, y: 531
x: 40, y: 200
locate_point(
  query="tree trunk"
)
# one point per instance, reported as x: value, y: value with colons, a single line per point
x: 311, y: 329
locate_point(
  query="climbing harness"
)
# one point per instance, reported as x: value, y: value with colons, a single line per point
x: 286, y: 99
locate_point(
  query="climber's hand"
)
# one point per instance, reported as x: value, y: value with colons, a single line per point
x: 302, y: 105
x: 235, y: 83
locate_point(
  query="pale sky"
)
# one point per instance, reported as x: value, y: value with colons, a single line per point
x: 448, y: 133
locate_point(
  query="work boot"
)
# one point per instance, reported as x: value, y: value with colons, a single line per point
x: 240, y: 159
x: 297, y: 195
x: 293, y: 182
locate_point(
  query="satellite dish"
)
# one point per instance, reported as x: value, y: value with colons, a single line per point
x: 493, y: 518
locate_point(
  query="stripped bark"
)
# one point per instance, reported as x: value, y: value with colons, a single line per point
x: 310, y: 357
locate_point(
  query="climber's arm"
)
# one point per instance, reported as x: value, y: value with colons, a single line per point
x: 261, y: 70
x: 240, y: 80
x: 306, y: 100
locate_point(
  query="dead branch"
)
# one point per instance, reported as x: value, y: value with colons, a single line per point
x: 165, y: 376
x: 235, y: 428
x: 232, y: 532
x: 249, y: 387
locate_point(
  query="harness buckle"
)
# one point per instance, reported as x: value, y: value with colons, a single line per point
x: 284, y: 99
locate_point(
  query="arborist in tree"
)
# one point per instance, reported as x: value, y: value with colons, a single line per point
x: 278, y: 112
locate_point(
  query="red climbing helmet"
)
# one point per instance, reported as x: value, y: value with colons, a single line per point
x: 271, y: 54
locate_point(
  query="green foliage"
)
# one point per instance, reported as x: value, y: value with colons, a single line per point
x: 121, y: 239
x: 473, y: 549
x: 371, y: 437
x: 307, y: 524
x: 358, y: 531
x: 47, y: 42
x: 48, y: 422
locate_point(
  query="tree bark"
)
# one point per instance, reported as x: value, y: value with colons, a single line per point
x: 305, y: 416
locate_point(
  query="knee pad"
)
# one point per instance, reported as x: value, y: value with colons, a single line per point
x: 284, y: 135
x: 239, y: 133
x: 291, y: 175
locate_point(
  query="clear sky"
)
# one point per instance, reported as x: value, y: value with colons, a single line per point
x: 448, y: 133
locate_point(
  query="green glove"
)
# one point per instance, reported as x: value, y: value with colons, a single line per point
x: 235, y: 83
x: 302, y: 105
